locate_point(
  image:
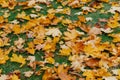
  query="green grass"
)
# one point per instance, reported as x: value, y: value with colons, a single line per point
x: 11, y: 66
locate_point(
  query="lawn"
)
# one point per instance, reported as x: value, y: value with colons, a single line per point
x: 59, y: 39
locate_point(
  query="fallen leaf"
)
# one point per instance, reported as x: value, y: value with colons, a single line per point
x: 92, y: 63
x: 15, y: 77
x: 3, y: 57
x: 54, y: 32
x: 28, y: 73
x: 18, y: 59
x: 62, y: 73
x: 50, y: 60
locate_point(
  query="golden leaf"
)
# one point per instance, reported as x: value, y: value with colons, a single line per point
x: 104, y: 0
x: 116, y: 37
x: 18, y: 59
x: 90, y: 75
x: 72, y: 34
x: 114, y: 22
x: 65, y: 52
x: 47, y: 75
x: 14, y: 77
x: 50, y: 60
x: 12, y: 4
x: 82, y: 19
x: 30, y: 48
x: 92, y: 63
x: 47, y: 46
x: 4, y: 56
x: 23, y: 16
x: 16, y: 29
x: 1, y: 19
x: 62, y: 73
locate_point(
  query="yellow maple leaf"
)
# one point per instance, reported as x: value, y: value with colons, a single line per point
x: 3, y: 57
x: 12, y: 4
x: 30, y: 48
x: 104, y: 0
x: 18, y: 59
x: 47, y: 46
x: 4, y: 3
x: 114, y: 22
x: 56, y: 39
x: 103, y: 72
x: 30, y: 44
x: 50, y: 60
x: 23, y: 16
x: 16, y: 29
x: 116, y: 37
x: 47, y: 75
x: 1, y: 19
x: 14, y: 77
x: 38, y: 41
x: 65, y: 51
x: 85, y: 1
x: 90, y: 75
x: 63, y: 73
x: 72, y: 34
x: 1, y: 42
x: 0, y: 71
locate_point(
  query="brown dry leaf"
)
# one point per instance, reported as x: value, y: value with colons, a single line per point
x: 12, y: 4
x: 82, y: 19
x: 96, y: 5
x: 78, y: 47
x: 47, y: 75
x: 92, y: 63
x: 62, y: 73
